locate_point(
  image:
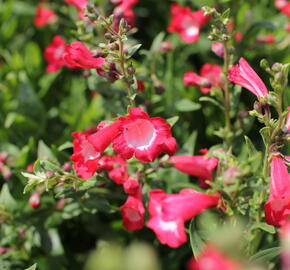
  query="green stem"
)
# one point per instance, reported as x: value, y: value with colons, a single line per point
x: 280, y: 119
x: 227, y: 96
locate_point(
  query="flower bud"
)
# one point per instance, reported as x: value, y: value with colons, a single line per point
x: 165, y: 47
x: 49, y: 174
x: 66, y: 167
x: 34, y: 200
x: 108, y: 36
x: 131, y: 70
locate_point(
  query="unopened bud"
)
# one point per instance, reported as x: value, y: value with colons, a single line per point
x: 165, y: 46
x: 131, y: 70
x: 34, y: 200
x: 67, y: 166
x: 108, y: 36
x: 49, y: 174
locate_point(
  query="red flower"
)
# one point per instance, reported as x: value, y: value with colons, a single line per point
x: 212, y: 259
x: 53, y: 54
x: 277, y: 207
x: 197, y: 166
x: 77, y: 55
x: 44, y: 16
x: 165, y: 46
x: 243, y: 75
x: 168, y: 212
x: 131, y: 186
x: 34, y: 200
x: 280, y: 3
x: 133, y: 212
x: 238, y: 36
x: 79, y: 4
x: 124, y: 9
x: 140, y: 86
x: 269, y: 39
x: 210, y: 76
x: 186, y: 23
x: 89, y: 146
x: 286, y: 9
x: 218, y: 49
x: 144, y: 137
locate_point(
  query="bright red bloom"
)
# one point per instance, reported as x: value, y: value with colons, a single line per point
x: 44, y: 16
x: 77, y: 55
x: 144, y: 137
x: 133, y: 212
x: 89, y: 146
x: 210, y: 76
x: 277, y: 207
x: 186, y: 23
x: 168, y: 212
x: 286, y: 9
x: 131, y: 186
x: 34, y: 200
x: 269, y: 39
x: 197, y: 166
x: 53, y: 54
x: 29, y: 167
x: 124, y: 9
x: 212, y: 259
x: 119, y: 175
x: 218, y: 49
x: 243, y: 75
x: 280, y: 3
x: 79, y: 4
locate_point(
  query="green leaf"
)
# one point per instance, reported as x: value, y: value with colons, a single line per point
x: 189, y: 145
x: 32, y: 267
x: 65, y: 145
x: 266, y: 255
x: 186, y: 105
x: 172, y: 120
x: 156, y: 42
x: 265, y: 227
x: 250, y: 146
x: 212, y: 101
x: 265, y: 133
x: 196, y: 241
x: 41, y: 166
x: 132, y: 50
x: 44, y: 152
x: 6, y: 198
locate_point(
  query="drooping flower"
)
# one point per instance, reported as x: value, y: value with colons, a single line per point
x: 277, y: 208
x: 210, y: 76
x: 212, y: 259
x: 44, y: 16
x: 53, y: 54
x: 269, y: 39
x: 79, y: 4
x: 144, y: 137
x: 124, y: 9
x: 186, y: 23
x: 131, y: 186
x: 77, y: 55
x: 243, y: 75
x: 168, y: 212
x: 89, y: 146
x: 218, y: 49
x: 197, y: 166
x: 286, y: 9
x: 133, y: 211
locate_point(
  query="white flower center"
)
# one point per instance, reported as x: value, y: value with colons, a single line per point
x: 140, y: 134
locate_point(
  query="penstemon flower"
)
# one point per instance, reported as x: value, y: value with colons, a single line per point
x: 168, y: 212
x: 277, y: 207
x: 44, y: 16
x: 143, y: 137
x: 210, y: 76
x: 77, y: 55
x: 218, y: 49
x: 198, y: 166
x: 243, y: 75
x: 53, y: 54
x: 80, y: 5
x: 186, y: 23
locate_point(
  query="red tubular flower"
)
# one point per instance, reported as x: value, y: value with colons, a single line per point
x: 280, y: 3
x: 119, y: 175
x: 53, y: 54
x: 80, y: 5
x: 144, y: 137
x: 89, y: 146
x: 269, y: 39
x: 286, y: 9
x: 44, y: 16
x: 210, y: 76
x: 277, y: 207
x: 212, y: 259
x: 218, y: 49
x: 124, y: 9
x: 133, y: 212
x: 131, y: 186
x: 186, y: 23
x: 168, y: 212
x: 197, y: 166
x: 243, y: 75
x: 77, y: 55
